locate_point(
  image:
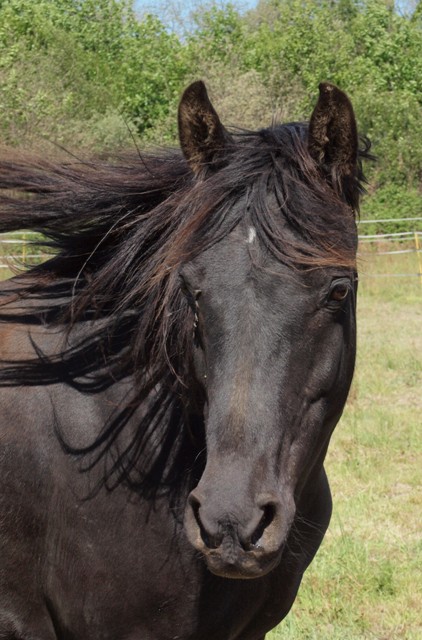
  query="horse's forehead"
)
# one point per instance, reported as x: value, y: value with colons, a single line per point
x: 239, y: 262
x: 231, y: 256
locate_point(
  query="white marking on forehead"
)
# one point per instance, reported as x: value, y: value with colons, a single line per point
x: 251, y: 234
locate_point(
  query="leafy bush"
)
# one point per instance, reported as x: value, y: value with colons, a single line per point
x: 90, y: 73
x: 389, y: 202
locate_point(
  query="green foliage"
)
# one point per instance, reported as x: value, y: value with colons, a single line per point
x: 388, y: 202
x: 91, y: 73
x: 219, y: 33
x: 366, y: 48
x: 68, y: 59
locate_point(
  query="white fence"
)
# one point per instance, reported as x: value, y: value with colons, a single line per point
x: 15, y: 248
x: 410, y: 242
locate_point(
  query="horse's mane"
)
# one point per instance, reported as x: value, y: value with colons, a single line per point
x: 120, y: 231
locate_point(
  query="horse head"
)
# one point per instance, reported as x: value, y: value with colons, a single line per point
x: 273, y: 321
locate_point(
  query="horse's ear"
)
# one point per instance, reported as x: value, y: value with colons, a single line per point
x: 333, y: 140
x: 202, y: 136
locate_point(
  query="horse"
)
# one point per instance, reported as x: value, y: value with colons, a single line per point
x: 171, y: 375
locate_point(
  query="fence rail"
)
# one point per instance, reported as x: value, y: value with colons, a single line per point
x: 394, y: 220
x: 379, y: 241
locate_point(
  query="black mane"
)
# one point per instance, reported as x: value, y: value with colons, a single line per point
x: 119, y: 232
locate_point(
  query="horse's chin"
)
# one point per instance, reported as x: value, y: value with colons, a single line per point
x: 246, y: 565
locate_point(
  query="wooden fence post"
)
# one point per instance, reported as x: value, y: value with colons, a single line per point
x: 418, y: 254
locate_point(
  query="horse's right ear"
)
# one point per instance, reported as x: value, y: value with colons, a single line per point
x: 333, y: 141
x: 203, y: 138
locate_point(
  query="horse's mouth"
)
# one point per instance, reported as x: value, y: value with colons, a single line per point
x: 240, y: 564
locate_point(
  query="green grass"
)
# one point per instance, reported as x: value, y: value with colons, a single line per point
x: 366, y: 580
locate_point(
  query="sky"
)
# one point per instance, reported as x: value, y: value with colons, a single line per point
x: 172, y: 12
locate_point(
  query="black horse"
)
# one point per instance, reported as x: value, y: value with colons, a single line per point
x: 171, y: 377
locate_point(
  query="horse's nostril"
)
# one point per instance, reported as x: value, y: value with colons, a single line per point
x: 210, y: 541
x: 195, y: 505
x: 210, y: 526
x: 268, y: 515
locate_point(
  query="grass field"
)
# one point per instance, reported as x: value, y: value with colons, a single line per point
x: 366, y: 581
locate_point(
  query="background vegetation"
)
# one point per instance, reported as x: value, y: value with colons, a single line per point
x: 92, y: 74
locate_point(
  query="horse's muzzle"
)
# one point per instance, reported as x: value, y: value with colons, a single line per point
x: 249, y: 546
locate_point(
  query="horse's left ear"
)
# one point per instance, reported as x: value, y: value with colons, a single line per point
x: 202, y: 136
x: 333, y: 140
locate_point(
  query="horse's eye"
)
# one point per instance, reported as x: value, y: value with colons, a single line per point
x: 339, y: 291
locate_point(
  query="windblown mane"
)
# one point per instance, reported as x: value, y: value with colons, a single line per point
x: 119, y: 233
